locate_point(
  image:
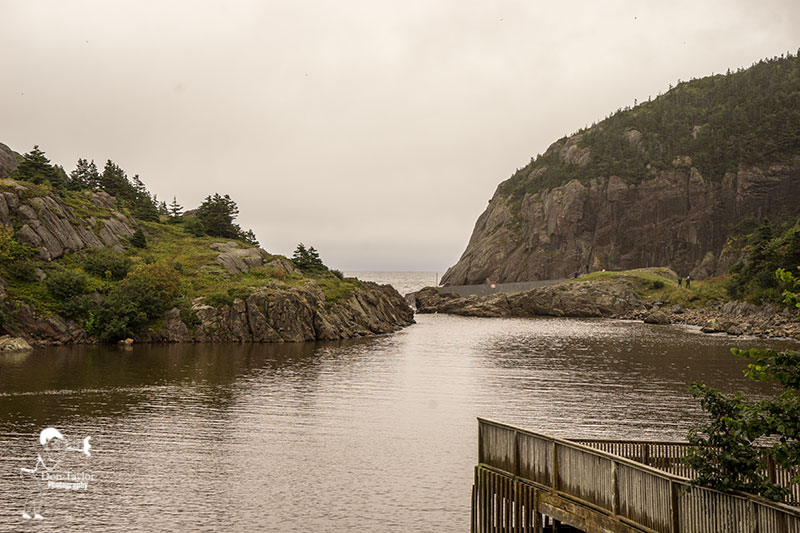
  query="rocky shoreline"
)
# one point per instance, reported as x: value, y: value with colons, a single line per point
x: 615, y: 299
x: 269, y: 314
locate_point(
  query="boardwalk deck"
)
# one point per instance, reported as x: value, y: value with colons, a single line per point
x: 522, y: 476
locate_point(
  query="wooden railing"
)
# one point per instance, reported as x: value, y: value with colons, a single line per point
x: 522, y: 475
x: 668, y: 456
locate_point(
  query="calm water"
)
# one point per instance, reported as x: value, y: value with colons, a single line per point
x: 370, y: 435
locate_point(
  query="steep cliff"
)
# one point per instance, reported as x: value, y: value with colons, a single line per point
x: 661, y: 184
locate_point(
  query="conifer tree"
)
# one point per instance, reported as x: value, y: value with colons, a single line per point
x: 175, y: 209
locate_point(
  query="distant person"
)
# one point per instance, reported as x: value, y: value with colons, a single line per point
x: 576, y: 274
x: 587, y: 268
x: 680, y: 282
x: 688, y: 281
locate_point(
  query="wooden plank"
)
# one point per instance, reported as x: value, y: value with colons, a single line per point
x: 580, y: 516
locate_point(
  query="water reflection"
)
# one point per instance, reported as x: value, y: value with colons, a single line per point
x: 373, y: 434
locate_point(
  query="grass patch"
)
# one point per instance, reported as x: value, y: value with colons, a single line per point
x: 652, y: 284
x: 82, y: 205
x: 336, y: 289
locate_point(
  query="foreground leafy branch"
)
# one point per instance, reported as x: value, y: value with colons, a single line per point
x: 724, y: 451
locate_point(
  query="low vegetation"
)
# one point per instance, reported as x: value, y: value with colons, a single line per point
x: 661, y: 284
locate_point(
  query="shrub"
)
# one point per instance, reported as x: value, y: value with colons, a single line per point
x: 142, y: 296
x: 658, y: 284
x: 194, y: 226
x: 77, y: 306
x: 22, y: 270
x: 107, y: 263
x: 10, y: 248
x: 66, y: 284
x: 138, y: 239
x: 338, y: 274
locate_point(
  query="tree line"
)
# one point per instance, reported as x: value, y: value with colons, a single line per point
x: 214, y: 217
x: 720, y: 121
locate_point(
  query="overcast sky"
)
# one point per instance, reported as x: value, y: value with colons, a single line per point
x: 374, y: 130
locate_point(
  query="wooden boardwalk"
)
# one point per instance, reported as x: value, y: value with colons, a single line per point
x: 523, y: 476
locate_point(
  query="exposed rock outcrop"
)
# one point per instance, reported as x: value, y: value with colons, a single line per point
x: 276, y: 314
x: 48, y: 224
x: 238, y: 260
x: 269, y: 314
x: 571, y: 299
x: 14, y: 344
x: 8, y: 161
x: 676, y: 218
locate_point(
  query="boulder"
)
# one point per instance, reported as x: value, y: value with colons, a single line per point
x: 657, y: 317
x: 238, y: 260
x: 13, y: 344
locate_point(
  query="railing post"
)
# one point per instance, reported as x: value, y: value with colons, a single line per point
x: 674, y: 489
x: 555, y: 466
x: 752, y: 518
x: 480, y: 442
x: 614, y: 489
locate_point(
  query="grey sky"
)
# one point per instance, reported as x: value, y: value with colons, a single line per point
x: 373, y: 130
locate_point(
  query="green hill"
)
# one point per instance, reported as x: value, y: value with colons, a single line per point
x: 721, y: 121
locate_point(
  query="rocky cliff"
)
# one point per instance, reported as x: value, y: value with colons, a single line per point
x: 269, y: 314
x: 677, y: 218
x: 659, y: 184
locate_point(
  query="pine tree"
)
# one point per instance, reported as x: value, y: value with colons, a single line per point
x: 85, y: 176
x: 217, y: 214
x: 175, y: 209
x: 36, y: 168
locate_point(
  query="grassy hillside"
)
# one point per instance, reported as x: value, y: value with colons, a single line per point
x: 114, y: 293
x: 746, y: 117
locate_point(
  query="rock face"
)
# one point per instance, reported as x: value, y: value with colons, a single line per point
x: 268, y: 314
x: 8, y: 161
x: 676, y: 218
x: 571, y: 299
x: 53, y: 227
x: 238, y: 260
x: 275, y: 314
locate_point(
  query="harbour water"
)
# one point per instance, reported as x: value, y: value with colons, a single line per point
x: 375, y: 434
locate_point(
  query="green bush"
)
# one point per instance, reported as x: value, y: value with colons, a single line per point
x: 142, y: 297
x: 107, y: 263
x: 658, y: 284
x: 138, y: 239
x: 76, y: 306
x: 194, y: 226
x: 66, y: 284
x: 22, y: 270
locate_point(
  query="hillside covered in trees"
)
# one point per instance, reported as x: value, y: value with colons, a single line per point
x: 659, y: 184
x: 91, y: 256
